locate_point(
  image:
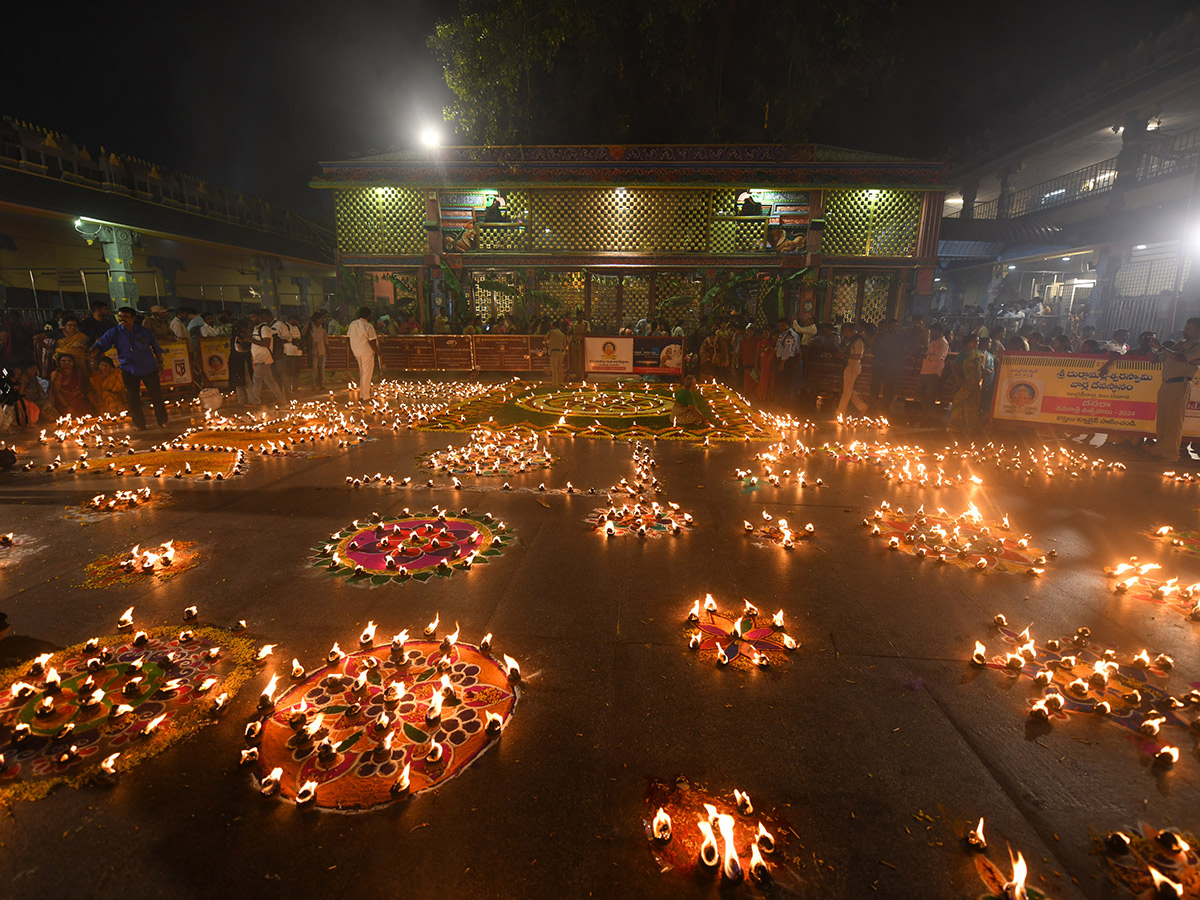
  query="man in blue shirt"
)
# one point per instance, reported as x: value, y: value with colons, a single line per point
x: 139, y: 358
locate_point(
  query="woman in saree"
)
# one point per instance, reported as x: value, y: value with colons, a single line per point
x: 108, y: 388
x: 767, y: 361
x: 686, y: 408
x: 66, y: 388
x: 749, y: 356
x: 74, y: 343
x: 965, y: 407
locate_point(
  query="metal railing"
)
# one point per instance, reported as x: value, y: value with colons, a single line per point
x: 26, y: 148
x: 1160, y: 160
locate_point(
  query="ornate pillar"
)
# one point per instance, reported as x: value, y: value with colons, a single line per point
x: 117, y: 243
x: 302, y: 283
x: 1004, y: 200
x: 267, y: 270
x: 970, y: 191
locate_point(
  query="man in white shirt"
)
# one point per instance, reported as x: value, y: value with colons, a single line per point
x: 289, y: 332
x: 261, y: 340
x: 364, y: 344
x: 931, y: 369
x: 179, y: 327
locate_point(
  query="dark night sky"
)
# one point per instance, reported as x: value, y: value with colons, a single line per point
x: 252, y: 95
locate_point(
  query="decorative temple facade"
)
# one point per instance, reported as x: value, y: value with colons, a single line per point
x: 616, y: 233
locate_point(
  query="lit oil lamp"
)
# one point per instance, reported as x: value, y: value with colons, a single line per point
x: 742, y: 801
x: 979, y: 657
x: 975, y: 839
x: 126, y: 621
x: 710, y: 854
x: 149, y: 728
x: 1164, y: 887
x: 512, y: 668
x: 1166, y: 756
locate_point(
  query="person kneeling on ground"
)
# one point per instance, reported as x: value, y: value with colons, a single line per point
x: 686, y: 409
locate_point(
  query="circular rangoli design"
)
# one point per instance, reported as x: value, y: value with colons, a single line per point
x: 356, y: 728
x: 398, y: 548
x: 964, y: 540
x: 619, y: 402
x: 742, y: 641
x: 94, y: 709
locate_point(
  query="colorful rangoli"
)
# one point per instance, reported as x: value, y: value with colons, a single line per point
x: 746, y: 641
x: 1130, y: 853
x: 92, y: 710
x: 382, y: 550
x: 497, y: 453
x: 1181, y: 541
x: 353, y: 730
x: 965, y: 540
x: 694, y: 832
x: 1135, y: 579
x: 114, y: 570
x: 627, y: 412
x: 1073, y: 677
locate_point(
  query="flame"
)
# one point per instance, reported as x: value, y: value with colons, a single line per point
x: 1161, y: 881
x: 153, y: 723
x: 731, y: 868
x: 1166, y: 529
x: 710, y: 605
x: 661, y: 827
x: 511, y: 665
x: 266, y: 651
x: 1015, y: 889
x: 315, y: 725
x: 758, y: 866
x: 1147, y: 567
x: 368, y: 634
x: 452, y: 637
x: 709, y: 854
x: 432, y: 627
x: 435, y: 706
x: 109, y: 763
x: 269, y: 690
x: 126, y: 617
x: 765, y: 838
x: 402, y: 781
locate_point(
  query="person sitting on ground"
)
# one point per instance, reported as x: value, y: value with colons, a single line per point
x: 108, y: 387
x: 686, y: 408
x: 67, y: 387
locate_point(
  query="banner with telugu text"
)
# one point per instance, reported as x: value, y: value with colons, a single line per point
x: 1070, y: 391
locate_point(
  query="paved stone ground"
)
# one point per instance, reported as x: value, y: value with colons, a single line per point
x: 877, y: 741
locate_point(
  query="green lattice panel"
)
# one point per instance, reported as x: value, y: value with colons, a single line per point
x: 566, y: 287
x: 845, y: 299
x: 357, y: 215
x: 875, y: 299
x: 871, y: 222
x: 402, y: 220
x: 380, y: 220
x: 675, y: 284
x: 629, y: 220
x: 604, y: 303
x: 486, y: 303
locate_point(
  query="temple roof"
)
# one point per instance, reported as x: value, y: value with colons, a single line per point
x: 676, y: 165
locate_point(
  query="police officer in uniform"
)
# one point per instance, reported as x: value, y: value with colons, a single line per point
x: 1180, y: 364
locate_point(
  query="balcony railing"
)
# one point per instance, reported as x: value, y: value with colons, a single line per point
x: 1160, y: 160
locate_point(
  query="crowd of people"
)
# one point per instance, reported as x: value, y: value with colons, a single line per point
x: 61, y: 367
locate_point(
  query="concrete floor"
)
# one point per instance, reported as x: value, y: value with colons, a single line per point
x: 875, y: 721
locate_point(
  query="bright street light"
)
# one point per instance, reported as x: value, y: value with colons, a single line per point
x: 430, y: 137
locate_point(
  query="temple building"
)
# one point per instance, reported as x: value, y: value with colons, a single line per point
x: 618, y: 233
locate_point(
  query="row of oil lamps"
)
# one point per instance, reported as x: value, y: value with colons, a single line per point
x: 1117, y: 843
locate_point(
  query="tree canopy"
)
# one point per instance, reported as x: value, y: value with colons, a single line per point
x: 563, y: 71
